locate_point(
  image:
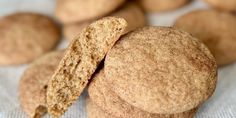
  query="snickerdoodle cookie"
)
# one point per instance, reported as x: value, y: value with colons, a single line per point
x: 33, y: 84
x: 161, y: 70
x: 93, y: 111
x: 68, y: 11
x: 130, y: 12
x: 226, y: 5
x: 161, y: 5
x: 26, y: 36
x: 80, y: 61
x: 111, y: 103
x: 217, y: 31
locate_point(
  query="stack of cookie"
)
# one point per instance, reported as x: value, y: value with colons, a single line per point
x: 153, y: 72
x: 77, y: 14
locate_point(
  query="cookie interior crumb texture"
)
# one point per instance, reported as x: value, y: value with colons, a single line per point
x: 216, y: 31
x: 161, y: 70
x: 33, y: 84
x: 130, y: 12
x: 110, y: 103
x: 80, y: 62
x: 25, y: 37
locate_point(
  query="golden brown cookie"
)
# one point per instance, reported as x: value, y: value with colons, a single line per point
x: 161, y: 5
x: 217, y: 31
x: 80, y: 62
x: 93, y: 111
x: 33, y: 84
x: 111, y: 103
x: 161, y: 70
x: 130, y: 12
x: 26, y: 36
x: 68, y: 11
x: 226, y: 5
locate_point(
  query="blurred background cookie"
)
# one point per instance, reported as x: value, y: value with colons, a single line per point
x: 226, y: 5
x: 68, y: 11
x: 161, y: 70
x: 131, y: 12
x: 26, y: 36
x: 33, y: 84
x: 151, y: 6
x: 104, y: 98
x: 216, y: 29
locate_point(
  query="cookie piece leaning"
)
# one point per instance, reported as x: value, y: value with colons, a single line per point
x: 69, y: 11
x: 217, y: 31
x: 161, y: 5
x: 161, y: 70
x: 130, y: 12
x: 101, y: 95
x: 80, y: 61
x: 33, y: 84
x: 93, y: 111
x: 26, y: 36
x: 226, y: 5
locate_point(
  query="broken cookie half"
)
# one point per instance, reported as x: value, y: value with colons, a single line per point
x: 81, y: 59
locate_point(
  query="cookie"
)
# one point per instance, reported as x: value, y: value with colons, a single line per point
x: 130, y: 12
x: 161, y: 5
x: 93, y: 111
x: 25, y: 37
x: 226, y: 5
x: 68, y: 11
x: 33, y: 84
x: 111, y: 103
x: 80, y: 61
x: 161, y: 70
x: 217, y: 31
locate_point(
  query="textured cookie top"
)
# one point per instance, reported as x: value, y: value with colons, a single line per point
x: 161, y: 70
x: 130, y: 12
x: 26, y: 36
x: 217, y: 31
x: 69, y: 11
x: 111, y: 103
x: 33, y: 84
x: 80, y: 61
x: 161, y: 5
x: 227, y: 5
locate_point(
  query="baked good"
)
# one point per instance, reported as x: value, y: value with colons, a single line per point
x: 80, y: 61
x: 161, y: 5
x: 130, y: 12
x: 33, y: 84
x: 161, y: 70
x: 93, y: 111
x: 25, y: 37
x: 69, y: 11
x: 110, y: 103
x: 225, y: 5
x: 216, y: 31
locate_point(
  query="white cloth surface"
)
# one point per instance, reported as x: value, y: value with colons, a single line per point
x: 221, y: 105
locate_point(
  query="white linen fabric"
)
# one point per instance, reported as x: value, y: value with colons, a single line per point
x: 221, y: 105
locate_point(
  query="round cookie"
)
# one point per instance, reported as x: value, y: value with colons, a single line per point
x: 226, y: 5
x: 161, y: 70
x: 217, y: 31
x: 68, y: 11
x: 161, y: 5
x: 111, y: 103
x: 33, y: 84
x: 26, y: 36
x: 93, y: 111
x: 130, y: 12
